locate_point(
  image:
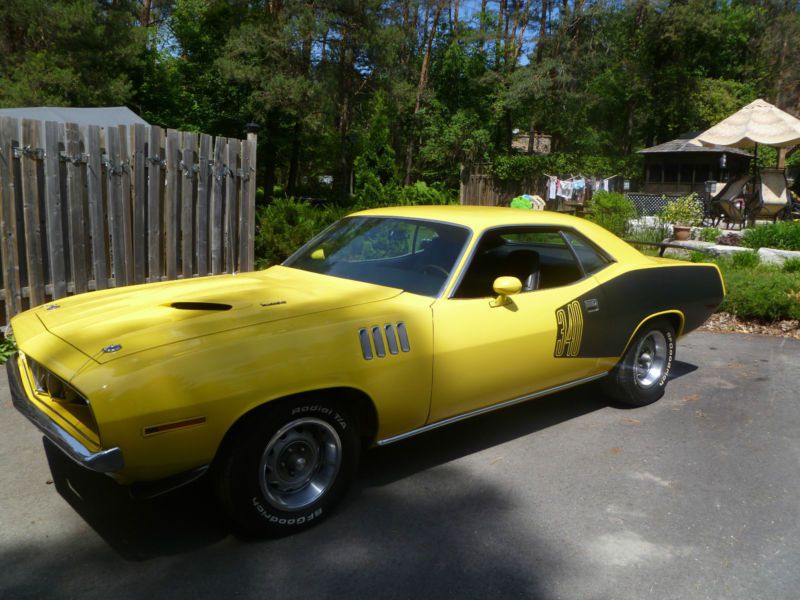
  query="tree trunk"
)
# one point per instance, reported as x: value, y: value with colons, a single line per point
x: 294, y: 159
x: 421, y: 86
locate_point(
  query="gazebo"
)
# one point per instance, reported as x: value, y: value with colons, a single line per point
x: 683, y: 165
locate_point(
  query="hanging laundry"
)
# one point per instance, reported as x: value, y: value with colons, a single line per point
x: 565, y: 189
x: 551, y: 188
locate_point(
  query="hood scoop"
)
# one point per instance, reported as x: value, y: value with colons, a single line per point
x: 200, y: 306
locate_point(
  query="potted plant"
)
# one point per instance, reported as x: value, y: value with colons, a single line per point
x: 683, y: 214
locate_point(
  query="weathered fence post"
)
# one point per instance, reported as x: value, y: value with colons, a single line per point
x: 85, y: 208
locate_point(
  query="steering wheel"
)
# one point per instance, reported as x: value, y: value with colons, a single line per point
x: 436, y: 268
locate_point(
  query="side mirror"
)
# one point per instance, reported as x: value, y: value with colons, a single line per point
x: 505, y: 287
x: 318, y: 254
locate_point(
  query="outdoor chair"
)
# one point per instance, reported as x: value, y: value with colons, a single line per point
x: 772, y: 199
x: 730, y: 205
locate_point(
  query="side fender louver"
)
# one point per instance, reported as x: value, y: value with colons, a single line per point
x: 376, y: 340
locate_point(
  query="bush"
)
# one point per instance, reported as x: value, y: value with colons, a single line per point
x: 686, y: 211
x: 657, y: 232
x: 764, y: 293
x: 422, y: 193
x: 710, y: 234
x: 7, y: 347
x: 729, y: 239
x: 784, y: 235
x: 791, y: 265
x: 286, y: 224
x: 612, y: 211
x: 745, y: 260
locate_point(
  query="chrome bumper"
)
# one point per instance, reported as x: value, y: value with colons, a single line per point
x: 106, y: 461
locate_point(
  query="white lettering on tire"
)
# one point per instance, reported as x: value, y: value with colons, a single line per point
x: 284, y: 521
x: 321, y: 409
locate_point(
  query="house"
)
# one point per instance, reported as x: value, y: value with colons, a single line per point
x: 683, y: 165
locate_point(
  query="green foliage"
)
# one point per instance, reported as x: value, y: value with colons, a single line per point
x: 531, y: 167
x: 375, y: 166
x: 710, y: 234
x: 698, y: 257
x: 761, y: 293
x: 745, y: 260
x: 422, y: 193
x: 612, y: 211
x: 285, y: 225
x: 657, y: 232
x: 76, y: 53
x: 783, y: 235
x: 686, y: 211
x: 7, y: 347
x: 791, y: 265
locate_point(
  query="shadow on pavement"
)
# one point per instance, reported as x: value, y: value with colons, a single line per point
x: 680, y: 368
x: 138, y: 529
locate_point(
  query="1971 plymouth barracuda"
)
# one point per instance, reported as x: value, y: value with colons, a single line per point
x: 390, y: 323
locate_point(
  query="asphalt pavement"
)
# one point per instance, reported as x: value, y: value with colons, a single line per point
x: 696, y: 496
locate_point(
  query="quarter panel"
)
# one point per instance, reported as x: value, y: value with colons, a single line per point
x: 631, y: 296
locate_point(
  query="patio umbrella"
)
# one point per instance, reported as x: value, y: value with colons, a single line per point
x: 757, y: 123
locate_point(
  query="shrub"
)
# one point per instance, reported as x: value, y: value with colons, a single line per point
x: 7, y: 347
x: 422, y: 193
x: 698, y: 257
x: 612, y: 211
x: 686, y: 211
x: 729, y: 239
x: 286, y: 224
x: 791, y: 265
x: 710, y: 234
x: 657, y: 232
x: 784, y: 235
x: 745, y: 260
x: 765, y: 294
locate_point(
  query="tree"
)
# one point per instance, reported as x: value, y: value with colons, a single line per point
x: 67, y: 53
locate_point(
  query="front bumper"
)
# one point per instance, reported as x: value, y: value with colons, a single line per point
x: 105, y: 461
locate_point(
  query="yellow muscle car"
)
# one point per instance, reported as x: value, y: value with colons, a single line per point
x: 390, y: 323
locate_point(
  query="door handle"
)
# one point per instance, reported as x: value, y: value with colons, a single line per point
x: 592, y: 305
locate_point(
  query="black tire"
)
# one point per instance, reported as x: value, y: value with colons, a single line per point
x: 309, y: 431
x: 636, y: 382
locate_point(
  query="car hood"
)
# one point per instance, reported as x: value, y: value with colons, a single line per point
x: 139, y: 317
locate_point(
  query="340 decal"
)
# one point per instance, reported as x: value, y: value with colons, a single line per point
x: 569, y: 319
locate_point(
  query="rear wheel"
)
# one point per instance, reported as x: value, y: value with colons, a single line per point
x: 642, y: 374
x: 287, y: 467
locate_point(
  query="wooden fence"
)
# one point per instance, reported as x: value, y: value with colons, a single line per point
x: 88, y: 208
x: 478, y: 187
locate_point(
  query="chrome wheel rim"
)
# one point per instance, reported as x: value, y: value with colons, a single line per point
x: 651, y: 359
x: 300, y: 463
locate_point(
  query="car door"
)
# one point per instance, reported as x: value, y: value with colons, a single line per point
x: 486, y: 354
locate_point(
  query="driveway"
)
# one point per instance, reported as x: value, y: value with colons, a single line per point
x: 696, y: 496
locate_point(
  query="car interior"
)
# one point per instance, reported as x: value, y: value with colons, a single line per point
x: 540, y: 258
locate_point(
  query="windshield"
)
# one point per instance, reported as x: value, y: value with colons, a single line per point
x: 413, y: 255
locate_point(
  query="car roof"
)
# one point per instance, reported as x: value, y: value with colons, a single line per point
x: 475, y: 217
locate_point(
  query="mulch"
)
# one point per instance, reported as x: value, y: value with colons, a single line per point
x: 727, y: 323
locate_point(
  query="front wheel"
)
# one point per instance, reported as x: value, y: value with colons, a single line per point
x: 287, y: 466
x: 641, y: 376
